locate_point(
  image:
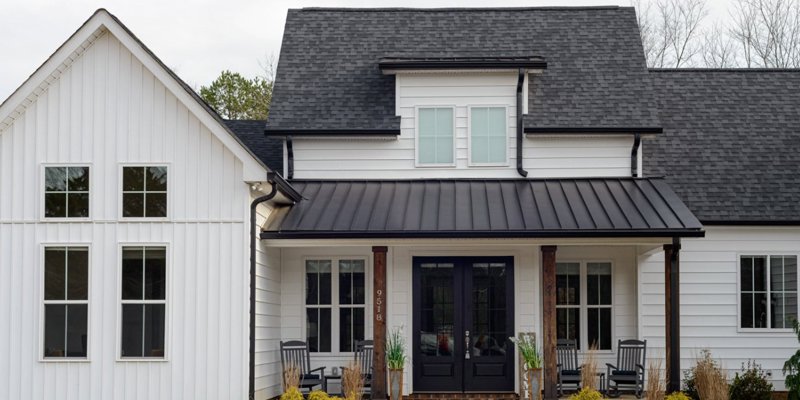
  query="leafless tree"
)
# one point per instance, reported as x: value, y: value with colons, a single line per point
x: 671, y: 32
x: 719, y: 48
x: 268, y: 65
x: 768, y: 32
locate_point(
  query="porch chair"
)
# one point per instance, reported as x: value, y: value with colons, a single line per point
x: 295, y: 352
x: 568, y: 369
x: 363, y: 357
x: 629, y: 370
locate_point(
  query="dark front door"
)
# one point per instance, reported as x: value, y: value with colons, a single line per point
x: 463, y: 317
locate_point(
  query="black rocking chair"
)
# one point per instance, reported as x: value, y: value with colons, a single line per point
x: 295, y: 353
x: 629, y: 370
x: 568, y: 370
x: 363, y: 357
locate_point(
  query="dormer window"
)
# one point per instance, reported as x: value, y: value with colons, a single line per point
x: 435, y: 136
x: 488, y: 136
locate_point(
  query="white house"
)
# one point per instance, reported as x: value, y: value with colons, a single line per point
x: 461, y: 174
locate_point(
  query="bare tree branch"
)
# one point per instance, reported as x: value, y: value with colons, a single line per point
x: 768, y: 32
x: 719, y: 48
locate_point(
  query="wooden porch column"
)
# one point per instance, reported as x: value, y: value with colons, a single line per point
x: 379, y: 322
x: 672, y: 304
x: 549, y: 321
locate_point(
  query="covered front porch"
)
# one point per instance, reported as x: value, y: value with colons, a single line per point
x: 569, y: 269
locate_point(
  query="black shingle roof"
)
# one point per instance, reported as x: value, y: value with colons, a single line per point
x: 251, y: 133
x: 328, y: 75
x: 731, y: 143
x: 485, y: 208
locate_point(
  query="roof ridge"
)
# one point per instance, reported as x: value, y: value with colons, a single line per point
x: 461, y: 9
x: 737, y: 70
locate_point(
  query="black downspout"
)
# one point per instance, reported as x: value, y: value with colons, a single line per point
x: 520, y: 81
x: 289, y: 158
x: 253, y: 241
x: 637, y: 141
x: 674, y: 345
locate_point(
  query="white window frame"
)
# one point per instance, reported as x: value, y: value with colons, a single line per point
x: 583, y: 313
x: 167, y: 302
x: 42, y: 191
x: 471, y: 163
x: 170, y: 190
x: 335, y: 306
x: 42, y: 302
x: 768, y: 255
x: 419, y: 164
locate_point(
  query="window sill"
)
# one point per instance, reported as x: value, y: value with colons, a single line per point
x: 440, y: 166
x: 144, y: 219
x: 769, y: 331
x: 142, y: 359
x: 65, y: 219
x: 59, y: 360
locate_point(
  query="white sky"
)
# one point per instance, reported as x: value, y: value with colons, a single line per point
x: 197, y: 38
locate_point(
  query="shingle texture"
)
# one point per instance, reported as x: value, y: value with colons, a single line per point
x: 485, y: 208
x: 328, y: 75
x: 731, y: 143
x: 251, y: 133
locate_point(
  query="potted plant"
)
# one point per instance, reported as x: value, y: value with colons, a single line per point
x: 531, y: 364
x: 395, y: 361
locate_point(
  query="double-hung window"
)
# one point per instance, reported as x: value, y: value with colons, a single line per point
x: 66, y: 302
x: 66, y: 192
x: 144, y: 294
x: 768, y: 291
x: 435, y: 136
x: 335, y: 304
x: 584, y: 303
x: 144, y: 192
x: 488, y: 136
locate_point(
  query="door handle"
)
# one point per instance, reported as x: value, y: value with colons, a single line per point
x: 466, y: 345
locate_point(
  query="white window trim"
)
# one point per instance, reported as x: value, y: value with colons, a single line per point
x: 583, y: 314
x: 419, y: 164
x: 334, y: 306
x: 470, y: 163
x: 167, y: 301
x: 41, y: 192
x: 769, y: 330
x: 170, y: 190
x: 42, y: 247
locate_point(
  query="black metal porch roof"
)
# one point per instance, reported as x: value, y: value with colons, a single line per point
x: 484, y: 208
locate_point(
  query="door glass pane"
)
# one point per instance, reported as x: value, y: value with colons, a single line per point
x: 489, y: 333
x: 436, y: 330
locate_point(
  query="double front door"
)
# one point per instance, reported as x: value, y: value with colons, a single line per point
x: 463, y: 318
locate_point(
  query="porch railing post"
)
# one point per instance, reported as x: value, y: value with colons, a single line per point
x: 549, y: 320
x: 672, y: 314
x: 379, y: 322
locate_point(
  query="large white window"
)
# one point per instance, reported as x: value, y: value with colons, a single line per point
x: 435, y: 136
x: 66, y: 302
x: 144, y: 192
x: 767, y: 291
x: 584, y: 303
x: 66, y: 192
x: 335, y: 304
x: 488, y: 140
x: 144, y: 301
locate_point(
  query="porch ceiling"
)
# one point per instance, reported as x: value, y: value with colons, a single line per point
x: 484, y: 208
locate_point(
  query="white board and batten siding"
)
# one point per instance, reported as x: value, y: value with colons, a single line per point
x: 107, y: 109
x: 543, y: 157
x: 710, y: 299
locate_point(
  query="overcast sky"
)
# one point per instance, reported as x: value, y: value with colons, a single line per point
x: 197, y: 38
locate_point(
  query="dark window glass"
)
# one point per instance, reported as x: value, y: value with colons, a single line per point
x: 318, y: 329
x: 568, y: 324
x: 66, y: 192
x: 318, y: 293
x: 568, y: 284
x: 352, y: 322
x: 599, y: 328
x: 144, y: 272
x: 768, y: 286
x: 66, y: 278
x: 144, y: 192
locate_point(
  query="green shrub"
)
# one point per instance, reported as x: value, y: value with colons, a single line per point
x: 292, y: 394
x: 751, y: 384
x: 791, y: 368
x: 318, y: 395
x: 587, y: 394
x: 676, y: 396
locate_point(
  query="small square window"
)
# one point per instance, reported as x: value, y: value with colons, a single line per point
x: 66, y: 192
x: 144, y: 192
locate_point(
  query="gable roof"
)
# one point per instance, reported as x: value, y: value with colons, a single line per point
x: 730, y: 144
x: 103, y: 21
x: 328, y: 75
x: 251, y: 133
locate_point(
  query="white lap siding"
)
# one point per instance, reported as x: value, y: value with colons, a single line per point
x: 268, y: 315
x: 107, y: 109
x: 343, y: 158
x: 709, y: 299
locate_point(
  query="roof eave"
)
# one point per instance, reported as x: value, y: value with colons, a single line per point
x: 526, y: 234
x: 592, y: 130
x: 274, y: 131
